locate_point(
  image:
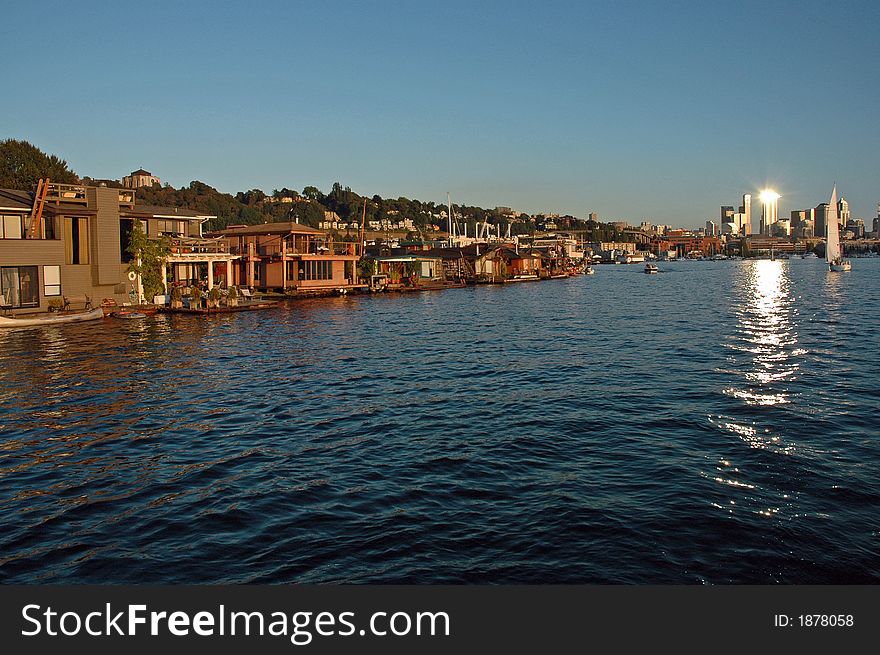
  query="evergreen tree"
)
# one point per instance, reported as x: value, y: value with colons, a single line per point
x: 23, y: 164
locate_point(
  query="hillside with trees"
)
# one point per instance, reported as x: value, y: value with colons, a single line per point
x: 23, y: 164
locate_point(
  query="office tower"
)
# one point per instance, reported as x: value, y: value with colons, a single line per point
x: 843, y: 212
x: 711, y: 228
x: 769, y: 211
x: 821, y: 213
x: 746, y: 211
x: 726, y: 214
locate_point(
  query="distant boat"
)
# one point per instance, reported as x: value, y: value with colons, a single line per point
x: 651, y: 269
x: 51, y: 319
x: 127, y: 314
x: 809, y: 255
x: 832, y: 238
x: 588, y: 270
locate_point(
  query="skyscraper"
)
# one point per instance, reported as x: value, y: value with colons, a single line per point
x: 746, y: 211
x: 769, y: 211
x: 843, y: 211
x: 821, y: 214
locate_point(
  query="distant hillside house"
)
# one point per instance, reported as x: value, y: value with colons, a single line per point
x: 140, y: 178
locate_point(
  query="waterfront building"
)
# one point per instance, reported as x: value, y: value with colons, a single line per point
x: 139, y: 178
x: 70, y: 241
x: 763, y: 245
x: 506, y: 262
x: 855, y: 229
x: 291, y: 257
x: 877, y: 223
x: 416, y: 269
x: 688, y: 245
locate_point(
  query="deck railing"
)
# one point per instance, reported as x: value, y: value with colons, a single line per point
x: 199, y: 246
x: 274, y: 250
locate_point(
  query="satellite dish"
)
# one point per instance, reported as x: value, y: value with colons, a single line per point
x: 132, y: 276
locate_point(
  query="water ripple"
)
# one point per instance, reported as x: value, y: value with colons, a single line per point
x: 713, y: 424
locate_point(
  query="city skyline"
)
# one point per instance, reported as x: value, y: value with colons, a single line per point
x: 636, y: 112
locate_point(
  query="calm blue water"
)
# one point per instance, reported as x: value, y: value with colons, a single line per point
x: 715, y: 423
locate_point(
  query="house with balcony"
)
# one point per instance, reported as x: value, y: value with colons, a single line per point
x: 66, y: 240
x: 291, y: 257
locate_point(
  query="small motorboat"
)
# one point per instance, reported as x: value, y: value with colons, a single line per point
x: 651, y: 269
x: 128, y: 314
x: 589, y: 271
x: 51, y: 319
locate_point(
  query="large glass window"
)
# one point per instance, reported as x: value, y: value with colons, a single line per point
x: 317, y: 270
x: 173, y: 228
x: 19, y: 286
x: 125, y: 228
x: 76, y: 240
x: 11, y: 226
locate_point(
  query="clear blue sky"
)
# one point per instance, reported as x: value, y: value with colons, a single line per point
x: 638, y: 110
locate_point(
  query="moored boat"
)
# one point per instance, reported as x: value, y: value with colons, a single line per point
x: 128, y: 314
x: 51, y: 319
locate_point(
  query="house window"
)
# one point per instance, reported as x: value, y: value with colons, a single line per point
x: 76, y: 240
x: 51, y: 280
x: 318, y: 270
x: 175, y: 228
x: 125, y: 228
x: 11, y: 226
x: 19, y: 286
x: 49, y: 228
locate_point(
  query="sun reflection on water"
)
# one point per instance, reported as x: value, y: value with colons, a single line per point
x: 763, y: 359
x: 765, y: 333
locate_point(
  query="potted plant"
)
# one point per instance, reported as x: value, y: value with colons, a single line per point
x: 176, y: 297
x: 214, y: 298
x: 195, y: 298
x: 232, y: 297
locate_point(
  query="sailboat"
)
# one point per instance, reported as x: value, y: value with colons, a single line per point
x: 832, y: 238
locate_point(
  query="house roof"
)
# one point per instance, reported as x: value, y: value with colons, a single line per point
x: 287, y: 227
x: 141, y: 171
x: 23, y: 201
x: 157, y: 211
x: 16, y: 200
x: 510, y: 253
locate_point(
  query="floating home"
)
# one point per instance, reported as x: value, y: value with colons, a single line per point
x: 67, y: 241
x: 293, y: 258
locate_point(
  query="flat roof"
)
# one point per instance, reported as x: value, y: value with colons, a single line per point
x: 287, y: 227
x: 157, y: 211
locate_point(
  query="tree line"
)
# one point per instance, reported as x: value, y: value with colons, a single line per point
x: 23, y: 164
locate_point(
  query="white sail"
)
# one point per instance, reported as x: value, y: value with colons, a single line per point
x: 832, y: 239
